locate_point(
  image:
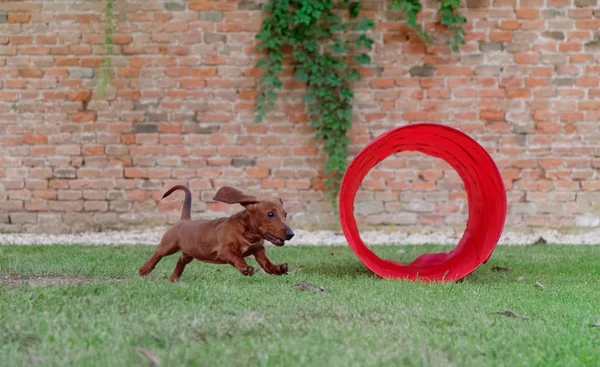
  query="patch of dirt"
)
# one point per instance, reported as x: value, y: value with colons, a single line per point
x: 13, y: 280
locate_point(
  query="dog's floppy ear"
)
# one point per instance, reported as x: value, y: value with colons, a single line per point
x: 230, y: 195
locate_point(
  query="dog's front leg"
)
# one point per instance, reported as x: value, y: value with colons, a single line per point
x: 238, y: 261
x: 263, y: 260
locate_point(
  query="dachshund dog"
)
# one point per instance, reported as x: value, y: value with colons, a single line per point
x: 225, y: 240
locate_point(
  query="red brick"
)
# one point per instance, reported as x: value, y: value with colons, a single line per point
x: 591, y: 24
x: 193, y: 83
x: 129, y: 94
x: 177, y: 72
x: 154, y: 173
x: 589, y: 105
x: 382, y: 83
x: 69, y: 195
x: 91, y: 62
x: 306, y: 150
x: 453, y: 70
x: 67, y: 61
x: 257, y: 172
x: 65, y: 206
x: 19, y: 18
x: 518, y: 93
x: 526, y: 58
x: 527, y: 13
x: 490, y: 115
x: 88, y: 18
x: 83, y: 117
x: 36, y: 205
x: 509, y: 24
x: 375, y: 185
x: 121, y: 39
x: 36, y: 139
x: 318, y: 184
x: 199, y: 5
x: 501, y: 36
x: 536, y: 82
x: 80, y: 95
x: 31, y: 73
x: 131, y: 172
x: 128, y: 139
x: 415, y: 116
x: 93, y: 150
x: 423, y: 186
x: 217, y: 207
x: 95, y: 206
x: 128, y: 72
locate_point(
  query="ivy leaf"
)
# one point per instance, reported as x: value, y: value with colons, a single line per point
x: 353, y: 75
x: 341, y: 65
x: 340, y: 46
x: 333, y: 80
x: 299, y: 56
x: 342, y: 114
x: 262, y: 63
x: 364, y: 24
x: 354, y: 9
x: 363, y: 41
x: 308, y: 98
x: 363, y: 59
x: 301, y: 76
x: 336, y: 27
x: 346, y: 93
x: 260, y: 113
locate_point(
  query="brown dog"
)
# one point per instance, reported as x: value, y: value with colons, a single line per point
x: 225, y: 240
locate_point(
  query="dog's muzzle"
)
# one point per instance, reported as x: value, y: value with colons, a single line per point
x: 289, y: 234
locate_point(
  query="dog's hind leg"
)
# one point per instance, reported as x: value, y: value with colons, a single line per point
x: 168, y: 246
x: 180, y: 267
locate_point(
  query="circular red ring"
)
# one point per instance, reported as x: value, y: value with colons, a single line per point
x: 485, y: 192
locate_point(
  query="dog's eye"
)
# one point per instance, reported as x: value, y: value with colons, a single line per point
x: 271, y: 214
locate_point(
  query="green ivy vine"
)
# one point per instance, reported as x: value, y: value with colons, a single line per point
x: 325, y: 50
x: 105, y: 71
x: 448, y: 17
x: 315, y: 33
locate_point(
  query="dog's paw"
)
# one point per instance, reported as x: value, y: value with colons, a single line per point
x: 248, y: 270
x: 281, y: 269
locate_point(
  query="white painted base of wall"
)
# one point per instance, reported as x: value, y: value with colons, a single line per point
x: 310, y: 238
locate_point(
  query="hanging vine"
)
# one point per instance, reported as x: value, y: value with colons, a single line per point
x: 105, y: 70
x: 324, y: 60
x: 448, y: 17
x: 325, y: 49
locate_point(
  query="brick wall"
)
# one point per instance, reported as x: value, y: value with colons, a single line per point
x: 180, y: 110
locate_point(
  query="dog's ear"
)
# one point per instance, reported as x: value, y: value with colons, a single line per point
x: 281, y: 201
x: 230, y: 195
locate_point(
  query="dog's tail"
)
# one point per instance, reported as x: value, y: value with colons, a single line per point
x: 187, y: 203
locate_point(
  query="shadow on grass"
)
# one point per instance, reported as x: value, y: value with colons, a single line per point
x: 483, y: 275
x: 340, y: 270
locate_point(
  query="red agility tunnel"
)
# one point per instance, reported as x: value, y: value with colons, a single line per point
x: 485, y: 193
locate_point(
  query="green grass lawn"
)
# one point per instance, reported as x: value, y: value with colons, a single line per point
x: 216, y: 317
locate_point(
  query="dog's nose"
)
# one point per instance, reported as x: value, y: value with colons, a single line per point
x: 289, y: 234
